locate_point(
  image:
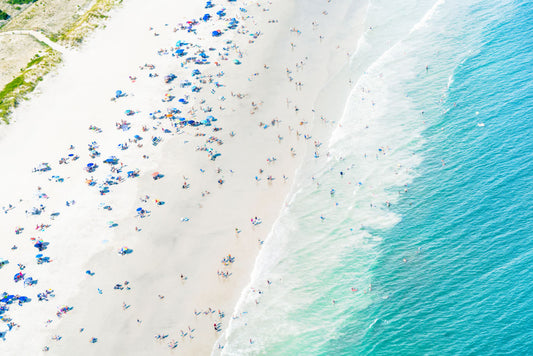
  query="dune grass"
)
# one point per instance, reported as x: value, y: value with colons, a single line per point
x: 74, y: 33
x: 25, y: 83
x: 4, y: 15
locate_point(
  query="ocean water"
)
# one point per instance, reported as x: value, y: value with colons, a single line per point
x: 426, y: 244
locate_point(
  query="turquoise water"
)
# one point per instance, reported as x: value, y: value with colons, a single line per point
x: 426, y: 245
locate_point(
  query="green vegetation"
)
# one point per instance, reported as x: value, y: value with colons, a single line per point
x: 34, y: 60
x: 24, y: 84
x: 17, y: 90
x: 90, y: 20
x: 4, y: 15
x: 20, y: 2
x: 8, y: 99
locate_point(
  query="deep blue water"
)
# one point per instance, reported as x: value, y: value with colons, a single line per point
x: 447, y: 268
x: 469, y: 290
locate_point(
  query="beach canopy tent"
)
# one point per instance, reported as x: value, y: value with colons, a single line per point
x: 111, y: 160
x: 43, y: 167
x: 233, y: 24
x: 40, y: 245
x: 157, y: 175
x: 133, y: 174
x: 236, y: 61
x: 23, y: 299
x: 125, y: 251
x: 91, y: 167
x: 206, y: 17
x: 170, y: 77
x: 156, y: 140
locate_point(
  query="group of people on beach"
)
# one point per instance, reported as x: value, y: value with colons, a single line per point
x: 195, y: 96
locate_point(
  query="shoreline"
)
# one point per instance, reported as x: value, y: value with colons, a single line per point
x: 328, y: 106
x: 181, y: 245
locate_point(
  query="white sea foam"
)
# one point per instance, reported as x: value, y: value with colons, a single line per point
x: 425, y: 20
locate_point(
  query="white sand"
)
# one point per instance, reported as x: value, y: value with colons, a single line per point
x: 80, y: 240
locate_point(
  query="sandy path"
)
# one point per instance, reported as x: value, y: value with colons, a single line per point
x: 40, y: 37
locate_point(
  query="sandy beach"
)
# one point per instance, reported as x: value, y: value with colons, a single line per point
x: 170, y: 150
